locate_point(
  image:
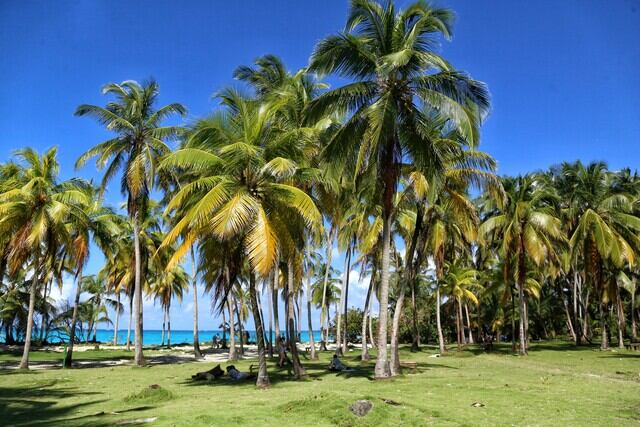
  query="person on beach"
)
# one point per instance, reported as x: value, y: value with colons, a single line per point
x: 236, y: 375
x: 283, y: 359
x: 336, y: 365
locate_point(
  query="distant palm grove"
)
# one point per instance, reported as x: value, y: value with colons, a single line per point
x: 250, y: 201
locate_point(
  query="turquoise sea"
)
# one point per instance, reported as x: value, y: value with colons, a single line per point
x: 151, y: 337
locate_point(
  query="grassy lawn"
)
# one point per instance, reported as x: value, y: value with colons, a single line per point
x: 555, y: 385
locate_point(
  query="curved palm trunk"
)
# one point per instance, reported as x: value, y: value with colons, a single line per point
x: 240, y: 329
x: 293, y: 348
x: 117, y: 324
x: 346, y: 299
x: 233, y: 355
x: 382, y: 363
x: 394, y: 362
x: 68, y: 359
x: 262, y: 380
x: 196, y: 336
x: 365, y: 349
x: 137, y: 302
x: 24, y: 363
x: 323, y: 308
x: 372, y: 339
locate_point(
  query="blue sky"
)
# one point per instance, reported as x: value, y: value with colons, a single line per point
x: 563, y: 75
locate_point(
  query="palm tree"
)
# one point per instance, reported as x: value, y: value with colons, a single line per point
x: 606, y: 234
x: 459, y: 283
x: 389, y: 54
x: 166, y: 286
x: 101, y: 225
x: 35, y: 213
x: 239, y: 194
x: 140, y: 140
x: 529, y: 231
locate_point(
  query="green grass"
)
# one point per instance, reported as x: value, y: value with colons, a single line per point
x: 555, y: 385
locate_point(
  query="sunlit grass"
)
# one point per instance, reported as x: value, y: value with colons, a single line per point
x: 555, y: 385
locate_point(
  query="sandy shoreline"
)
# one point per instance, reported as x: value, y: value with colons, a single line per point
x: 155, y: 355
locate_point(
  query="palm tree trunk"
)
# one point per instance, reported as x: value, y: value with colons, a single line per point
x: 621, y: 320
x: 164, y: 324
x: 130, y: 323
x: 24, y: 363
x: 270, y: 306
x: 572, y: 331
x: 324, y: 309
x: 117, y: 324
x: 634, y: 324
x: 96, y: 321
x: 394, y: 362
x: 345, y: 281
x: 274, y: 298
x: 68, y: 360
x: 298, y: 318
x: 137, y: 302
x: 169, y: 325
x: 312, y: 343
x: 240, y: 329
x: 346, y: 298
x: 457, y: 307
x: 365, y: 348
x: 604, y: 344
x: 44, y: 315
x: 196, y: 336
x: 233, y: 355
x: 577, y: 335
x: 293, y: 348
x: 370, y: 319
x: 262, y: 380
x: 382, y: 363
x: 466, y: 310
x: 415, y: 341
x: 441, y: 345
x: 263, y: 337
x: 523, y: 343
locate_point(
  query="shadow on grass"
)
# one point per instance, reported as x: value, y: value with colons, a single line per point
x: 40, y: 405
x: 316, y: 371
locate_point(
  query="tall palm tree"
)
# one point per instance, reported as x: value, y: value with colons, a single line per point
x: 139, y: 141
x: 389, y: 53
x: 239, y: 194
x: 35, y: 213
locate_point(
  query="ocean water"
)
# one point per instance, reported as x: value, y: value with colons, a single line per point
x: 153, y: 337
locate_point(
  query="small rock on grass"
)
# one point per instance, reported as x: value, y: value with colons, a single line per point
x: 361, y: 407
